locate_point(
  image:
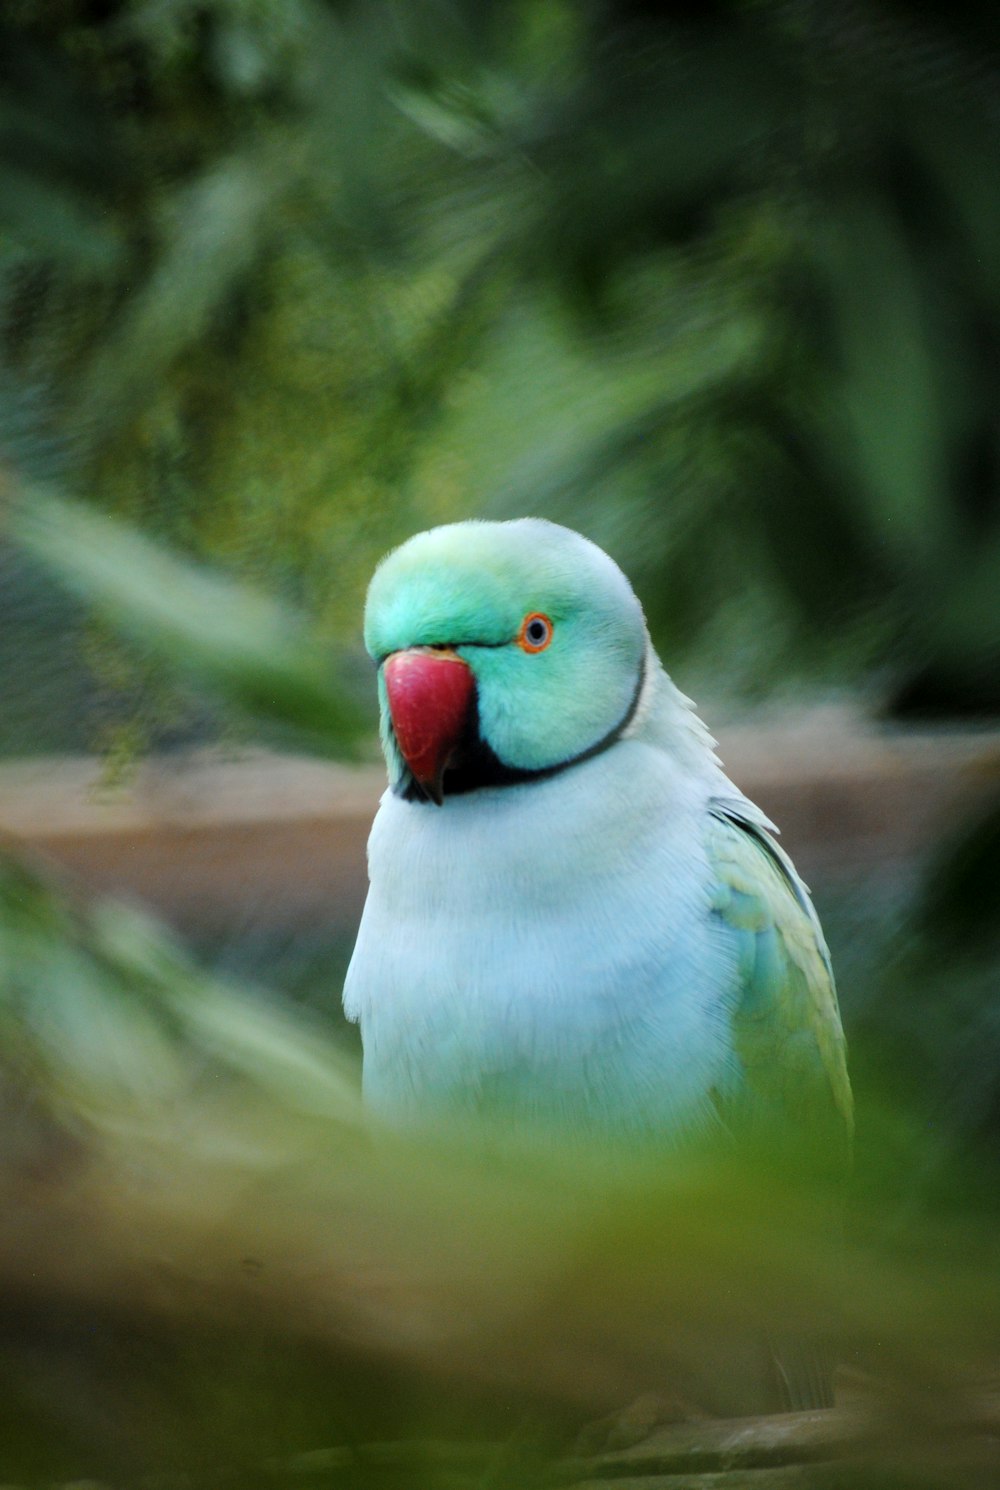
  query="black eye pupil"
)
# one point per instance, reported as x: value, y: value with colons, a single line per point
x: 537, y: 631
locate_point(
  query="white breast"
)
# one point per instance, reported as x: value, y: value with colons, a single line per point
x: 548, y: 947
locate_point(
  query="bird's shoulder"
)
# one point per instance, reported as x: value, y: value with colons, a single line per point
x: 787, y: 1030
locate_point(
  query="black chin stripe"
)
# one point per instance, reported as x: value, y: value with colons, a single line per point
x: 479, y: 766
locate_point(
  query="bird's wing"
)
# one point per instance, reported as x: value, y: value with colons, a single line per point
x: 786, y: 1021
x: 792, y: 1094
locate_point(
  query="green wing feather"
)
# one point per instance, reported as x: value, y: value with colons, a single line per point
x: 792, y: 1095
x: 786, y: 1023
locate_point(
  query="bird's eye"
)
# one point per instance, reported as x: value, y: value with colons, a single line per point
x: 535, y: 633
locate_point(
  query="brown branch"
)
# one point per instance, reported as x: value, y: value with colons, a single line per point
x: 787, y: 1477
x: 792, y: 1438
x: 764, y: 1451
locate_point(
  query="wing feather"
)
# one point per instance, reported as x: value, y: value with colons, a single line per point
x: 792, y: 1093
x: 786, y: 1021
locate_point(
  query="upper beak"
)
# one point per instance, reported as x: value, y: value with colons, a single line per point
x: 430, y: 696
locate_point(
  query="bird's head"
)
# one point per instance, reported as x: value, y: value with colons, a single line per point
x: 505, y: 651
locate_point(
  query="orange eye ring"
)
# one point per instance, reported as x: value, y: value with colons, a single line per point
x: 536, y: 632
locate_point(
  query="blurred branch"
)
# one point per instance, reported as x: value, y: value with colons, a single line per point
x: 742, y: 1454
x: 790, y: 1438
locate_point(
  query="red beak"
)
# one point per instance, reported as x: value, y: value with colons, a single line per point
x: 430, y: 698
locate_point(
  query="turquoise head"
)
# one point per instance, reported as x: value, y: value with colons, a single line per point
x: 506, y: 651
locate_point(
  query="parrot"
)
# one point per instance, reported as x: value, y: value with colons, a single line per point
x: 574, y: 918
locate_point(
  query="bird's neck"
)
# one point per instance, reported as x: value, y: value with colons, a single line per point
x: 666, y: 717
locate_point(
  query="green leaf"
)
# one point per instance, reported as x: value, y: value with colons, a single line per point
x: 232, y: 639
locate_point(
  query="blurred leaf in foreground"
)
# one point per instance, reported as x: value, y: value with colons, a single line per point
x: 194, y: 1216
x: 220, y: 633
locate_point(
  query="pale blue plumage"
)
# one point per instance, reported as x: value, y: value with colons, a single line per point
x: 522, y: 965
x: 617, y: 947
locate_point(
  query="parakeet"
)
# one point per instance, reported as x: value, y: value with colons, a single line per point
x: 574, y: 917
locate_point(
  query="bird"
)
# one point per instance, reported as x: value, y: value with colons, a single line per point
x: 575, y: 920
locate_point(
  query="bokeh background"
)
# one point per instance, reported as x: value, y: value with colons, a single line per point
x: 284, y: 281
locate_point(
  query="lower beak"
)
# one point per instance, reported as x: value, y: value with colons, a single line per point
x: 430, y: 696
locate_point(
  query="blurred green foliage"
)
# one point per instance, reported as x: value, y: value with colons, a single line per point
x: 282, y: 281
x: 235, y: 642
x: 208, y: 1265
